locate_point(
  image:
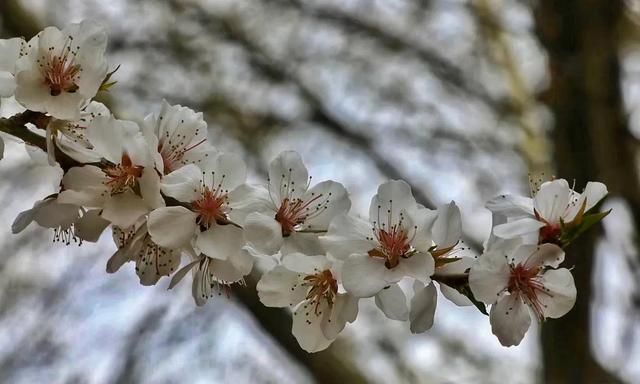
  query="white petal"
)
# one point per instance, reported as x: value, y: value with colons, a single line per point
x: 363, y: 276
x: 52, y: 214
x: 447, y: 229
x: 533, y: 256
x: 263, y: 233
x: 150, y: 188
x: 7, y: 84
x: 326, y: 200
x: 124, y: 209
x: 183, y: 184
x: 419, y: 266
x: 90, y: 226
x: 347, y: 235
x: 172, y: 227
x: 246, y: 199
x: 288, y: 177
x: 510, y: 320
x: 489, y: 276
x: 345, y: 309
x: 31, y: 91
x: 423, y: 308
x: 220, y: 241
x: 107, y: 137
x: 517, y: 228
x: 306, y: 243
x: 306, y: 327
x: 9, y: 53
x: 424, y: 220
x: 1, y: 148
x: 84, y: 186
x: 511, y: 206
x: 178, y: 276
x: 392, y: 198
x: 280, y: 287
x: 454, y: 296
x: 561, y: 294
x: 393, y: 302
x: 300, y: 263
x: 227, y: 171
x: 552, y: 200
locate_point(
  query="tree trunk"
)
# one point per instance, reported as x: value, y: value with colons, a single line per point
x: 590, y: 142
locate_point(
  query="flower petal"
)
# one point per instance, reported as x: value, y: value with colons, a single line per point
x: 263, y: 233
x: 510, y: 320
x: 392, y: 198
x: 288, y: 177
x: 124, y: 209
x: 393, y: 302
x: 363, y: 276
x: 172, y: 227
x: 301, y: 263
x: 489, y: 276
x: 306, y: 327
x: 347, y: 235
x: 517, y: 228
x: 423, y: 307
x: 344, y: 310
x: 561, y: 293
x: 220, y: 241
x: 326, y: 200
x: 552, y: 200
x: 447, y: 229
x: 533, y: 256
x: 280, y: 287
x: 91, y: 225
x: 183, y: 184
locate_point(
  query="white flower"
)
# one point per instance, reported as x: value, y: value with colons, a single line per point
x: 521, y: 283
x: 125, y: 184
x: 152, y: 261
x: 10, y: 51
x: 309, y: 286
x: 394, y: 244
x: 69, y: 222
x: 451, y: 260
x: 62, y: 70
x: 178, y: 136
x: 293, y: 208
x: 215, y: 275
x: 538, y: 220
x: 70, y: 136
x: 209, y: 199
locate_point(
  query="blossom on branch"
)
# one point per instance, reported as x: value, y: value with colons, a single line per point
x: 61, y: 70
x: 309, y: 286
x: 521, y: 283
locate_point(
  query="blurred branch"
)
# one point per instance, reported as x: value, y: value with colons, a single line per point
x: 443, y: 68
x: 534, y: 146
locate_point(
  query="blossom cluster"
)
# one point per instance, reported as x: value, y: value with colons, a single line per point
x: 177, y: 205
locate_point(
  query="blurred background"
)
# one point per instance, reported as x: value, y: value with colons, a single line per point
x: 463, y: 99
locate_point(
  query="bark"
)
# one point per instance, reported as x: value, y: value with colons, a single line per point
x: 590, y: 142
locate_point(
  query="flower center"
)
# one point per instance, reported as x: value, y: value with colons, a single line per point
x: 210, y: 207
x: 550, y: 233
x: 60, y: 72
x: 393, y: 244
x: 322, y: 285
x: 173, y: 149
x: 526, y: 283
x: 293, y: 213
x: 123, y: 176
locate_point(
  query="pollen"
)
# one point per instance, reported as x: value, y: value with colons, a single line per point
x: 322, y: 286
x: 212, y: 203
x: 60, y: 71
x: 123, y: 176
